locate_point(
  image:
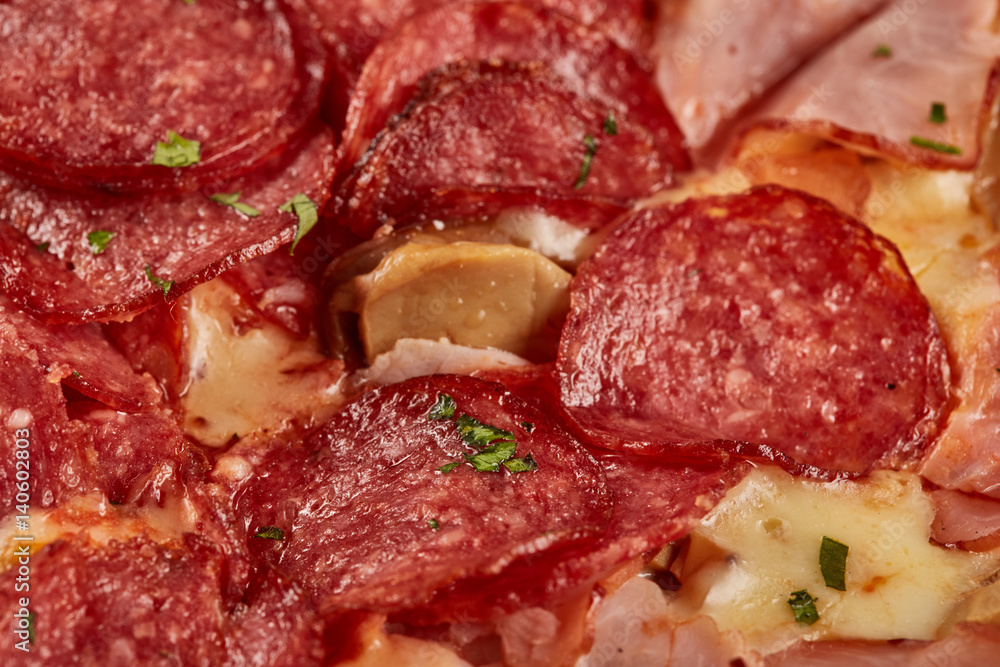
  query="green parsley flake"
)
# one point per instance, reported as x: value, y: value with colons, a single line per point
x: 177, y: 151
x: 31, y: 627
x: 526, y: 464
x: 77, y: 374
x: 610, y: 126
x: 528, y: 426
x: 305, y: 210
x: 270, y: 533
x: 99, y: 240
x: 43, y: 247
x: 490, y: 458
x: 443, y: 410
x: 938, y: 114
x: 233, y: 199
x: 164, y: 285
x: 804, y: 607
x: 588, y: 158
x: 448, y: 467
x: 882, y: 51
x: 478, y: 434
x: 935, y: 145
x: 833, y: 563
x: 433, y: 523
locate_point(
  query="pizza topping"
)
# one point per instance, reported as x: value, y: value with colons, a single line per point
x: 937, y: 113
x: 804, y: 607
x: 443, y: 410
x: 610, y: 127
x: 882, y: 51
x: 590, y: 144
x: 938, y: 146
x: 525, y: 464
x: 375, y: 551
x: 177, y: 151
x: 85, y: 98
x: 71, y: 284
x: 233, y: 199
x: 651, y: 358
x: 270, y: 533
x: 307, y: 214
x: 833, y: 563
x: 99, y: 240
x: 162, y: 284
x: 462, y: 151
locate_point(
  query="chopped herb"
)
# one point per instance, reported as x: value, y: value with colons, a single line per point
x: 433, y: 523
x: 693, y: 272
x: 443, y: 410
x: 938, y: 114
x: 270, y: 533
x: 448, y: 467
x: 833, y: 563
x: 997, y: 370
x: 610, y: 126
x: 31, y: 627
x: 591, y: 145
x: 77, y: 374
x: 935, y: 145
x: 804, y: 607
x: 490, y: 458
x: 882, y: 51
x: 528, y: 426
x: 188, y: 2
x: 177, y: 151
x: 164, y: 285
x: 480, y: 435
x: 305, y: 210
x: 99, y: 240
x: 526, y: 464
x: 233, y: 199
x: 43, y: 247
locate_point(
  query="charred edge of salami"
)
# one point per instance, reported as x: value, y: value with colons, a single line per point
x: 248, y: 153
x: 502, y: 31
x: 460, y: 134
x: 834, y: 312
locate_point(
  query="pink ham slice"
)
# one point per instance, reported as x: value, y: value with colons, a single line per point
x: 464, y: 150
x: 768, y: 317
x: 185, y: 238
x: 370, y: 521
x: 716, y: 58
x: 87, y: 92
x: 587, y: 61
x: 941, y: 52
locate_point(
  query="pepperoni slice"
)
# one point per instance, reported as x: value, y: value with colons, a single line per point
x: 587, y: 60
x: 87, y: 92
x: 48, y: 265
x: 767, y: 317
x: 86, y: 360
x: 370, y: 521
x: 463, y: 148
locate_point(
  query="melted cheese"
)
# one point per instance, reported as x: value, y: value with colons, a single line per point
x: 762, y: 542
x: 244, y: 379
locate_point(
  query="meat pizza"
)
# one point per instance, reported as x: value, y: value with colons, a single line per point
x: 556, y: 332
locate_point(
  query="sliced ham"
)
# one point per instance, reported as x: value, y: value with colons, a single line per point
x: 49, y: 268
x: 767, y: 317
x: 940, y: 52
x: 463, y: 150
x: 587, y: 61
x: 86, y: 93
x: 715, y: 58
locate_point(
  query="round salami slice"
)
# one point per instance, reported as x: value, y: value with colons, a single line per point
x: 71, y: 258
x: 87, y: 92
x: 766, y: 317
x: 463, y: 135
x: 420, y: 484
x: 586, y: 60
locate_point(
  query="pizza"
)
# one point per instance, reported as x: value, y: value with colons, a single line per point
x: 556, y: 332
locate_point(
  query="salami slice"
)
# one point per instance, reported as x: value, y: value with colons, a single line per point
x: 150, y: 247
x: 86, y: 360
x: 139, y: 602
x: 767, y: 317
x: 87, y: 92
x: 462, y: 135
x: 380, y: 508
x: 587, y: 60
